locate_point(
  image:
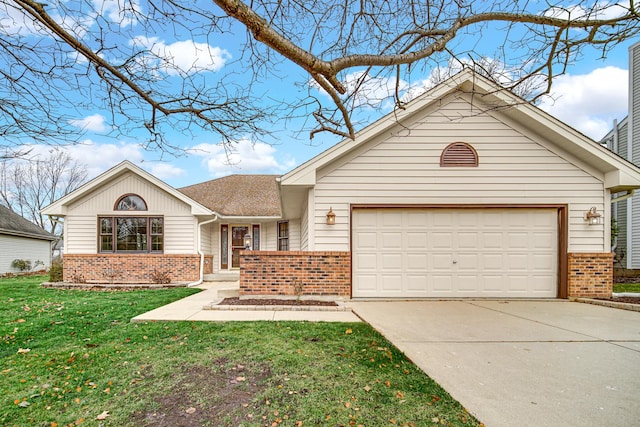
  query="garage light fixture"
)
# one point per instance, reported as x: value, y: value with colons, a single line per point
x: 331, y: 217
x: 593, y: 217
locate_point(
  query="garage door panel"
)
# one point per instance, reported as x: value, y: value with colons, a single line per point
x: 417, y: 261
x: 391, y: 261
x: 364, y: 240
x: 455, y: 252
x: 417, y: 240
x: 391, y: 283
x: 441, y: 240
x: 417, y: 283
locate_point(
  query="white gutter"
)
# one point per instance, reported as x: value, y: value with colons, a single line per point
x: 201, y: 278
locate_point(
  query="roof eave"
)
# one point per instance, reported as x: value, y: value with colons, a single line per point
x: 24, y: 234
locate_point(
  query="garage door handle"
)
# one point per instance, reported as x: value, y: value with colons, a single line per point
x: 455, y: 262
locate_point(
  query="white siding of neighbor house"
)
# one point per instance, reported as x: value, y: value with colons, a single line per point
x: 633, y: 134
x: 81, y: 230
x: 619, y: 209
x: 15, y: 247
x: 403, y: 167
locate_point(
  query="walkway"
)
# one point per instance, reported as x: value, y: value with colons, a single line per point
x: 193, y: 308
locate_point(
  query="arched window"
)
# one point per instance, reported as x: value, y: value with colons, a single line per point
x: 459, y: 154
x: 130, y: 202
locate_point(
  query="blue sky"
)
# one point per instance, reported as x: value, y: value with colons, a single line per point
x: 589, y: 97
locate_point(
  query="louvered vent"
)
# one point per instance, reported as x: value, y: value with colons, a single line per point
x: 459, y: 154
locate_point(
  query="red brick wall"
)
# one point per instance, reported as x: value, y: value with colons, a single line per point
x: 130, y: 268
x: 590, y: 275
x: 280, y: 273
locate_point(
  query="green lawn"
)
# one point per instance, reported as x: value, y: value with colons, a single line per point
x: 626, y: 287
x: 68, y: 356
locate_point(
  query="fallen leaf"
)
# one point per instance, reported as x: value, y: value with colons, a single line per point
x: 367, y: 388
x: 20, y: 321
x: 190, y: 410
x: 24, y: 404
x: 348, y: 331
x: 102, y: 416
x: 23, y: 350
x: 241, y: 379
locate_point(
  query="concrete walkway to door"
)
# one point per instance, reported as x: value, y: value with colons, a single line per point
x: 522, y: 363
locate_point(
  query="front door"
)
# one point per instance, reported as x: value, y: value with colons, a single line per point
x: 237, y: 243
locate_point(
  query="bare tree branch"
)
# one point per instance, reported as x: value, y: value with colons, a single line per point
x: 115, y: 56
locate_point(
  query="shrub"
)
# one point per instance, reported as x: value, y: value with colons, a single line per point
x: 55, y: 272
x: 160, y: 277
x: 21, y: 264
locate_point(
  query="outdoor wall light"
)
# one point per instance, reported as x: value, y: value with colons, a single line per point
x: 593, y: 217
x: 247, y: 241
x: 331, y: 217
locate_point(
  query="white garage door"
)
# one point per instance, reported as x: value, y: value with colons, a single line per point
x: 455, y: 253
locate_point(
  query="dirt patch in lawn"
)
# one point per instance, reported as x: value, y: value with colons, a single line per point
x: 276, y: 301
x: 204, y: 395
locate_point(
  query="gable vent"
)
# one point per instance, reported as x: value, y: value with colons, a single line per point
x: 459, y: 154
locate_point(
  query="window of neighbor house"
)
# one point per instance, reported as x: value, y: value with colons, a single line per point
x: 283, y: 236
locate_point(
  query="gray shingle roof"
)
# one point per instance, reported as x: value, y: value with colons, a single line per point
x: 12, y: 223
x: 238, y: 195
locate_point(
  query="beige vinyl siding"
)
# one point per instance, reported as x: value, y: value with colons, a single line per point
x: 404, y: 168
x: 82, y: 216
x: 206, y: 243
x: 15, y: 247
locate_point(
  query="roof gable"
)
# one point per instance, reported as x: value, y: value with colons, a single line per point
x: 14, y: 224
x: 59, y: 207
x: 619, y: 174
x: 239, y: 195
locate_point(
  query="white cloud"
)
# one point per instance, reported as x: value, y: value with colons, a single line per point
x: 599, y: 10
x: 98, y: 157
x: 243, y: 156
x: 183, y: 56
x: 589, y: 102
x: 114, y: 10
x: 164, y: 171
x: 94, y: 123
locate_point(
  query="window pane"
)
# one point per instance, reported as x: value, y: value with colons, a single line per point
x: 283, y: 236
x: 131, y: 203
x: 131, y: 234
x: 156, y: 225
x: 106, y: 243
x: 156, y: 243
x: 106, y: 225
x: 256, y: 237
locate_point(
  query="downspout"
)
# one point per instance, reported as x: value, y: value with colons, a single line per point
x: 201, y: 278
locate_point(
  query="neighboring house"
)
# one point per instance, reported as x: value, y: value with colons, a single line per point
x: 22, y: 240
x: 624, y: 139
x: 468, y: 192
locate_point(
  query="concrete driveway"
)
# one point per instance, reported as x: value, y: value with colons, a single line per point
x: 520, y: 363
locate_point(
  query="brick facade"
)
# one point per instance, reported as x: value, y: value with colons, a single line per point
x: 590, y: 275
x: 295, y: 273
x: 130, y: 268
